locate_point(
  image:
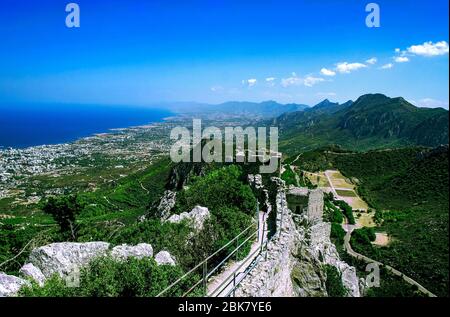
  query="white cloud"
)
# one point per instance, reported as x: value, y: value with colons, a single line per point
x: 429, y: 49
x: 346, y: 68
x: 310, y: 81
x: 250, y: 82
x: 432, y: 103
x: 397, y: 50
x: 387, y: 66
x: 327, y: 72
x: 270, y: 81
x: 372, y: 60
x: 401, y: 59
x: 294, y: 80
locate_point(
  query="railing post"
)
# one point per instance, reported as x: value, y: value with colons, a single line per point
x: 205, y: 274
x: 281, y: 218
x: 263, y: 232
x: 257, y: 216
x: 234, y: 284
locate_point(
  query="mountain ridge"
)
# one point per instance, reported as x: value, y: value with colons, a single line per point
x: 262, y: 110
x: 373, y: 120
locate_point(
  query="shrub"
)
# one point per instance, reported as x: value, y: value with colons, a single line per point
x: 64, y: 210
x: 105, y: 277
x: 337, y: 234
x: 221, y: 187
x: 334, y: 282
x: 347, y: 211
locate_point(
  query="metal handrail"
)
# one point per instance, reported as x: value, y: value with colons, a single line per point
x: 202, y: 263
x: 206, y: 275
x: 231, y: 254
x: 251, y: 267
x: 258, y: 250
x: 246, y: 240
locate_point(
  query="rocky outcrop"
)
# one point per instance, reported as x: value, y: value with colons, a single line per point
x: 262, y: 194
x: 196, y: 217
x: 124, y: 251
x: 34, y: 273
x: 164, y: 258
x: 294, y: 263
x: 255, y: 181
x: 183, y: 172
x: 67, y: 257
x: 308, y: 275
x: 166, y: 203
x: 10, y: 285
x: 63, y: 258
x: 324, y: 250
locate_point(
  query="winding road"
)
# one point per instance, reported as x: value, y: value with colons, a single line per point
x: 349, y: 229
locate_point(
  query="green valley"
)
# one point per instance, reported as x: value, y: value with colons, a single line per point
x: 408, y: 189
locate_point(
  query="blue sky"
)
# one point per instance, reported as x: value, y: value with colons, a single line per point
x: 144, y: 52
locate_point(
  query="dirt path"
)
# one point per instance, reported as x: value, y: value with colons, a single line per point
x: 349, y: 229
x: 109, y: 202
x: 142, y: 186
x: 298, y: 156
x: 331, y: 184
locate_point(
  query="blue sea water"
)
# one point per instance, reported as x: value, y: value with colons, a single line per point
x: 24, y: 126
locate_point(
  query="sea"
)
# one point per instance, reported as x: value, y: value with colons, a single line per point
x: 31, y: 125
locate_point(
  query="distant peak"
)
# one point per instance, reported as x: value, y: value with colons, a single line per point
x: 376, y: 96
x: 325, y: 103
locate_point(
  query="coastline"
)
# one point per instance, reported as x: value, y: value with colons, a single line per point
x: 107, y: 132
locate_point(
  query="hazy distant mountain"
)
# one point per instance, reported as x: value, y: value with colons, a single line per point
x: 372, y: 121
x: 253, y: 110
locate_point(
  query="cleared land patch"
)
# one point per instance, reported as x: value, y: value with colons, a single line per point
x: 382, y: 239
x: 346, y: 193
x: 318, y: 179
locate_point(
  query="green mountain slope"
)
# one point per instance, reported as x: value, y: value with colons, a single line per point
x: 409, y: 189
x: 372, y: 121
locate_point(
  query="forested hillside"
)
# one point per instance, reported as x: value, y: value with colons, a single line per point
x: 372, y: 121
x: 409, y: 189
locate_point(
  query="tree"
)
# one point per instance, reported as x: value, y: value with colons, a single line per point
x: 64, y: 210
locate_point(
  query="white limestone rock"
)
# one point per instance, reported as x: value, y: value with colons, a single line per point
x: 166, y: 204
x: 63, y: 258
x: 255, y: 180
x: 33, y: 272
x: 164, y: 258
x: 124, y: 251
x: 320, y: 233
x: 10, y: 285
x: 350, y: 280
x: 196, y: 216
x: 323, y: 249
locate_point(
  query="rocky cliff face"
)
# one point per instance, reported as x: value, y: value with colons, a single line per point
x: 316, y: 250
x: 294, y: 264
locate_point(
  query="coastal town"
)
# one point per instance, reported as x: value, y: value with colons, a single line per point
x: 25, y: 174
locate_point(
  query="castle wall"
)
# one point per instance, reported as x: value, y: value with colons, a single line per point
x: 272, y: 274
x: 315, y: 206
